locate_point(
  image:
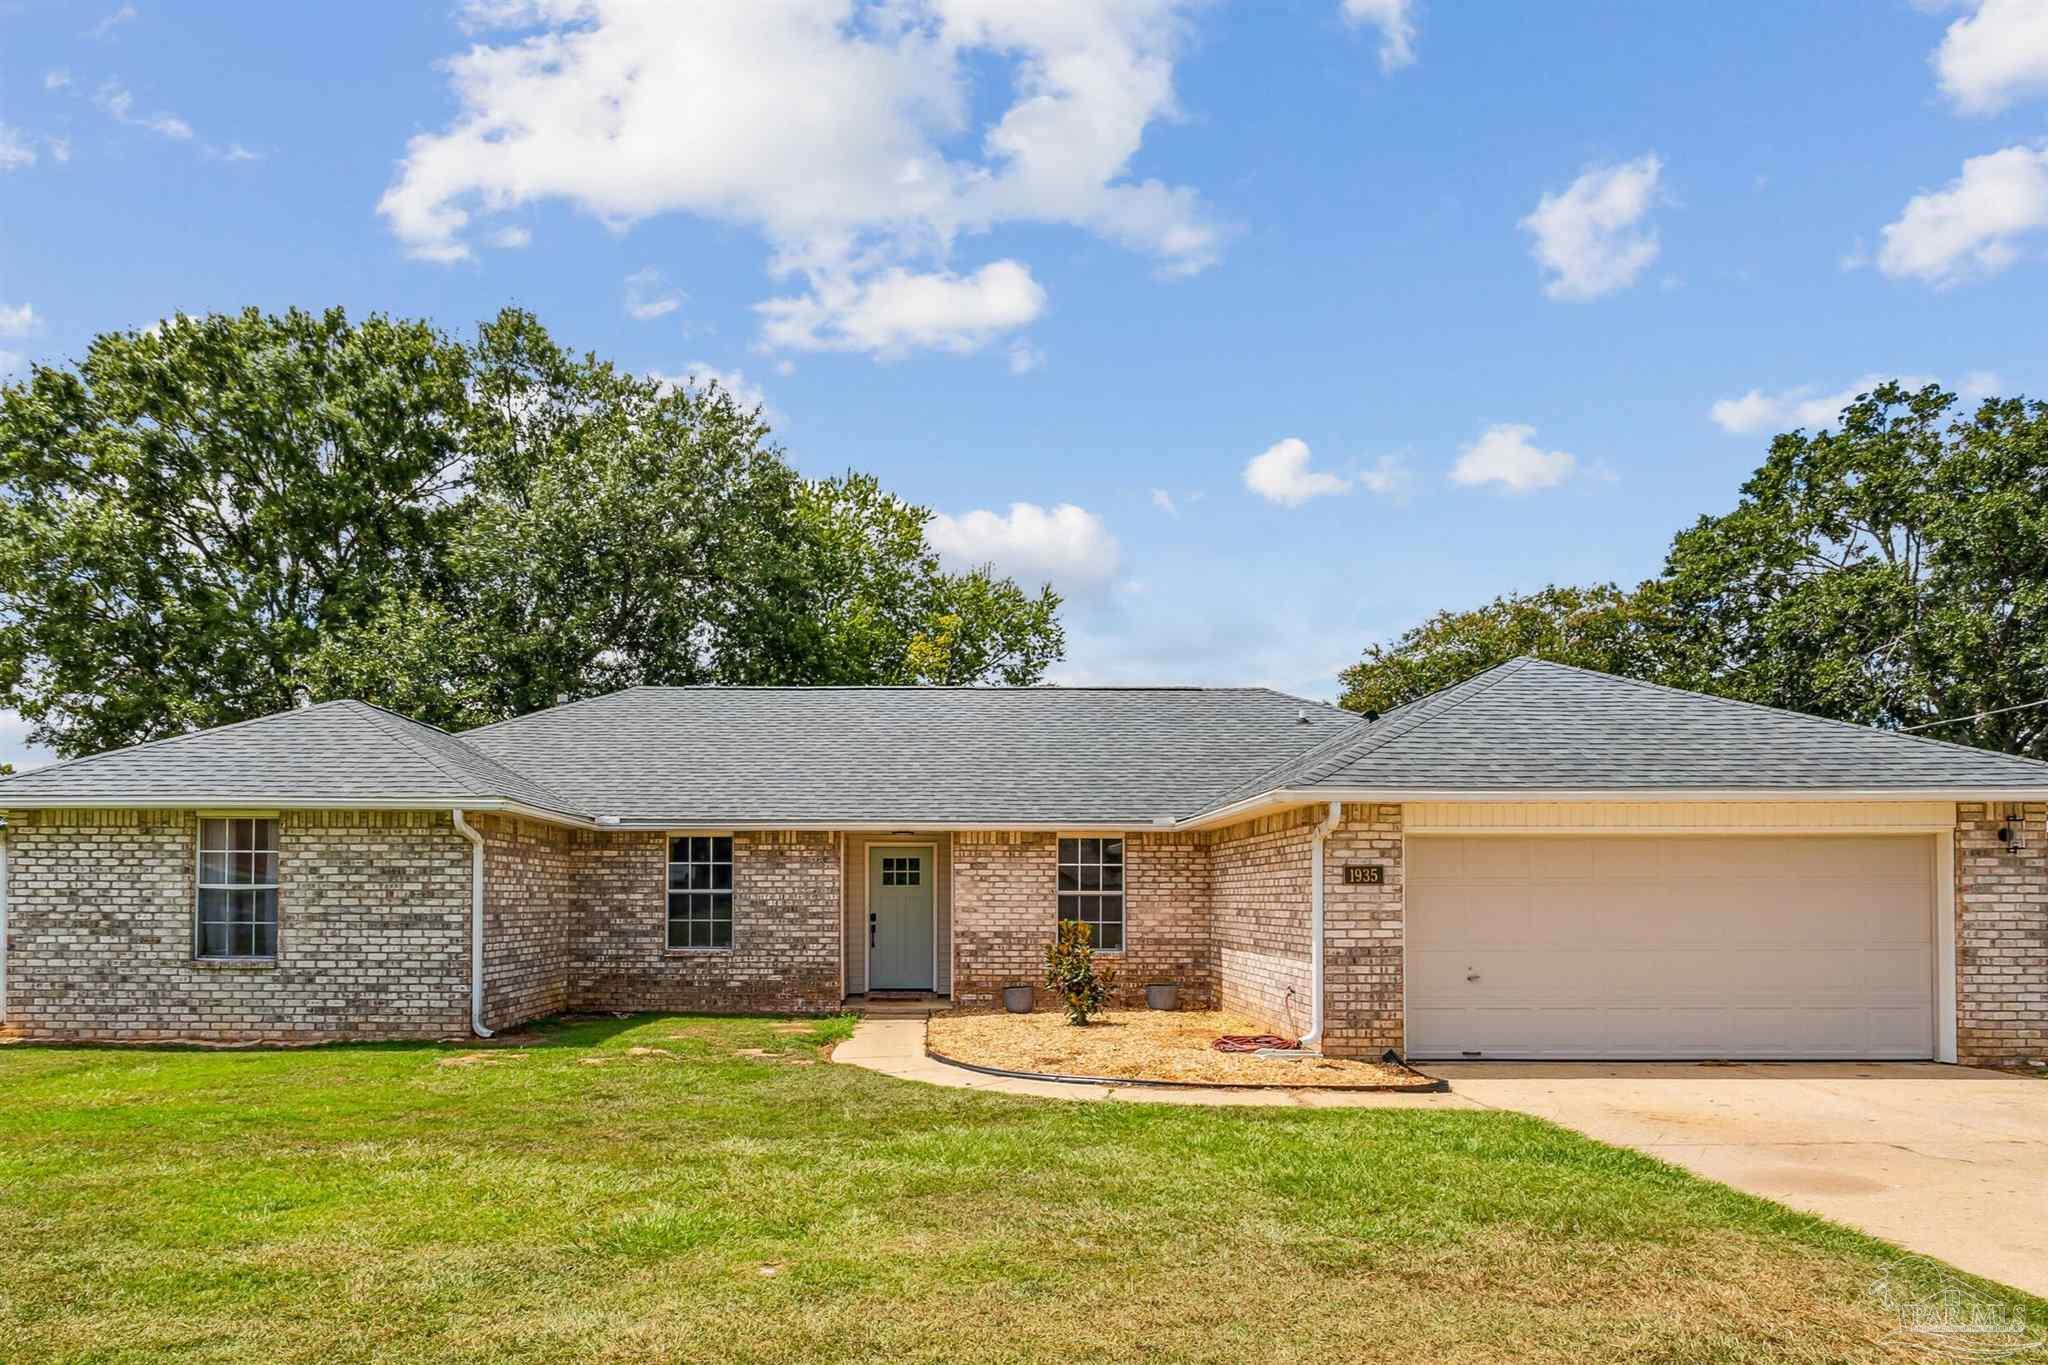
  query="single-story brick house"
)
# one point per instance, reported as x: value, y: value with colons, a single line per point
x: 1538, y: 862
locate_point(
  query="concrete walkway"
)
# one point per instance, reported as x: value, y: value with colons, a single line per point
x: 1947, y: 1160
x: 894, y: 1046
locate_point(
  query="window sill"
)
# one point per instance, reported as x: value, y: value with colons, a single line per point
x: 235, y: 964
x: 696, y: 952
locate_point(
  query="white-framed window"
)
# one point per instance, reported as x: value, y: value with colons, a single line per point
x: 237, y: 912
x: 1092, y: 888
x: 700, y: 891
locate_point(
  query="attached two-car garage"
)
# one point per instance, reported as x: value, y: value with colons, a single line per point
x: 1662, y: 946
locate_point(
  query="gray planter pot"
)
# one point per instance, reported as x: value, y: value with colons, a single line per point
x: 1017, y: 999
x: 1164, y: 996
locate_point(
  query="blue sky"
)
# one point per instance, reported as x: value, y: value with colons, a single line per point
x: 1262, y: 329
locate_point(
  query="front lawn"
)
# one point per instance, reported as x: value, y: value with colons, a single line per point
x: 687, y: 1189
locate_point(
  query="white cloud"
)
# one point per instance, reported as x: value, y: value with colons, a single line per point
x: 56, y: 79
x: 846, y: 134
x: 1503, y: 454
x: 1809, y: 408
x: 1971, y: 228
x: 18, y: 320
x: 16, y: 150
x: 118, y: 103
x: 1389, y: 476
x: 1163, y: 500
x: 1280, y: 474
x: 896, y: 311
x: 1025, y: 358
x: 60, y: 149
x: 648, y: 295
x: 509, y: 238
x: 1395, y: 20
x: 1592, y: 238
x: 1993, y: 55
x: 1064, y: 545
x: 104, y: 29
x: 235, y: 151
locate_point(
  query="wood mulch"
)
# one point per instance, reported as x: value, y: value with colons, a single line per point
x: 1150, y: 1045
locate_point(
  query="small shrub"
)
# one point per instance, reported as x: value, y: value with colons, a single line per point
x: 1071, y: 973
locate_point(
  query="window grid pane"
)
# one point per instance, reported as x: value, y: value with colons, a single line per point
x: 700, y: 891
x: 1091, y: 885
x: 237, y: 888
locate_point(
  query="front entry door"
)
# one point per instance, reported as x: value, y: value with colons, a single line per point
x: 900, y: 929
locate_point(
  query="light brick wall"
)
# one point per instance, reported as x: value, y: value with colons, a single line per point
x: 2001, y: 938
x: 530, y: 880
x: 373, y: 930
x: 1005, y: 912
x: 1261, y: 918
x: 1168, y: 932
x: 1363, y: 934
x: 785, y: 928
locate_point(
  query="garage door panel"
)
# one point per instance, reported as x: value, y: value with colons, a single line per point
x: 1898, y: 972
x: 1506, y: 859
x: 1656, y: 946
x: 1465, y: 914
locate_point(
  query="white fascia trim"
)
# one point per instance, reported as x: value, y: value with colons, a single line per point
x: 903, y: 827
x: 1298, y: 796
x: 217, y: 803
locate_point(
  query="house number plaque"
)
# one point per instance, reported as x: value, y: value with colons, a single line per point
x: 1365, y: 874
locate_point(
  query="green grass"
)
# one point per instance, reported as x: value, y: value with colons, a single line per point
x: 574, y: 1201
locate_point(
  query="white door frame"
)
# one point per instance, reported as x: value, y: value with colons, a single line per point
x: 867, y: 975
x: 1942, y: 907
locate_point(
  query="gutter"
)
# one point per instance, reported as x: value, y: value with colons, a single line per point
x: 476, y: 924
x: 1314, y: 1037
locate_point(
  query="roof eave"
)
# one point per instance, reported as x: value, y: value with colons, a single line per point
x: 1281, y: 798
x: 248, y: 801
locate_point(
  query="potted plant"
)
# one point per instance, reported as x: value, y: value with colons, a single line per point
x: 1162, y: 995
x: 1071, y: 974
x: 1017, y: 999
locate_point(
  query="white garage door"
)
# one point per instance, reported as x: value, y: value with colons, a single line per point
x: 1656, y: 946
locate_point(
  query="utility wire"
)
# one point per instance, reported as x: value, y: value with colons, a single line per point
x: 1957, y: 720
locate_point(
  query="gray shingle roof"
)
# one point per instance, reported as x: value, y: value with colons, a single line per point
x: 1539, y: 726
x: 341, y: 751
x: 1096, y: 756
x: 1041, y: 755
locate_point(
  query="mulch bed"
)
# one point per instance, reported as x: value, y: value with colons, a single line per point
x: 1145, y: 1045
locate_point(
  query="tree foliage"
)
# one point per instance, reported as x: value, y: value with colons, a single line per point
x: 1891, y: 571
x: 1601, y: 627
x: 192, y: 509
x: 226, y: 516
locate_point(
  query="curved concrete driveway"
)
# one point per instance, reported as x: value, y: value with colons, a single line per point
x: 1947, y: 1160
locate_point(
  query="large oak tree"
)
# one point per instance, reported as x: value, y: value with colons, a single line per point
x: 226, y: 516
x: 1892, y: 570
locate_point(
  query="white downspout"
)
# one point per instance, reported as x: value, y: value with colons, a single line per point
x: 476, y: 924
x: 1314, y: 1037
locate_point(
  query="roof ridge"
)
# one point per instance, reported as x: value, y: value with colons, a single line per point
x: 83, y: 759
x: 558, y: 706
x: 1476, y: 685
x: 1857, y: 726
x: 371, y: 714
